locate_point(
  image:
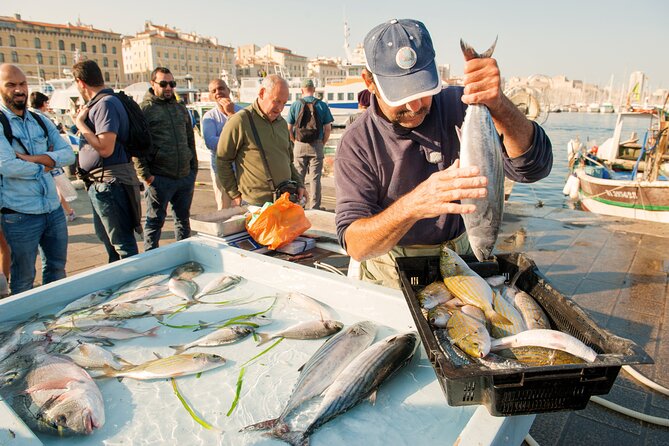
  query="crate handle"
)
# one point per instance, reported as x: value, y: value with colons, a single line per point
x: 556, y: 376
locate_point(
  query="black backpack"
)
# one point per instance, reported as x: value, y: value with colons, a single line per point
x: 139, y: 143
x: 308, y: 124
x: 7, y: 129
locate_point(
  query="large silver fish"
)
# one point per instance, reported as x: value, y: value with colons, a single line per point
x: 172, y: 366
x: 304, y: 330
x: 222, y: 336
x: 60, y: 398
x: 480, y: 146
x: 358, y: 381
x: 323, y: 367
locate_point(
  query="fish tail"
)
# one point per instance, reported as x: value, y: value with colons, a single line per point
x: 109, y: 372
x: 261, y: 426
x: 151, y: 332
x: 178, y: 349
x: 496, y: 318
x: 294, y: 438
x: 264, y: 338
x: 470, y: 53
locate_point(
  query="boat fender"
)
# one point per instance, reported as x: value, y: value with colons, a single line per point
x: 574, y: 186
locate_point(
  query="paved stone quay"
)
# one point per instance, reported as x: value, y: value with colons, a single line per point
x: 616, y: 270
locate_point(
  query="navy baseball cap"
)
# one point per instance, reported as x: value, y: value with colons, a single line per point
x: 400, y: 55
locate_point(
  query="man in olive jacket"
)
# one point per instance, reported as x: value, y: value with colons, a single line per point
x: 170, y: 170
x: 237, y: 146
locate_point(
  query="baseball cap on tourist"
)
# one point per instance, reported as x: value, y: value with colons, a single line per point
x: 307, y: 83
x: 400, y: 55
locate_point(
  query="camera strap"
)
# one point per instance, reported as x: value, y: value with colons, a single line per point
x: 256, y: 136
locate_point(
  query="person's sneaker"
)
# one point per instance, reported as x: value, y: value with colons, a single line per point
x: 71, y: 216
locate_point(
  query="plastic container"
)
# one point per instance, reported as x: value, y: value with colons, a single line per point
x: 63, y: 184
x: 528, y: 390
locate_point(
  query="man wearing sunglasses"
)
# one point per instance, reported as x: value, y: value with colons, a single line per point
x: 170, y: 170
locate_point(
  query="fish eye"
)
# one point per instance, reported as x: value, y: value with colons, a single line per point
x: 61, y: 419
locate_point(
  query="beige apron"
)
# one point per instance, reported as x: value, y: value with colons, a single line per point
x: 382, y: 271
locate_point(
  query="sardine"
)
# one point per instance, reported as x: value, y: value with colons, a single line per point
x: 172, y: 366
x: 186, y: 271
x: 222, y: 336
x: 358, y: 381
x: 89, y: 355
x: 480, y: 146
x: 323, y: 367
x: 304, y: 330
x: 469, y: 334
x: 87, y: 301
x: 142, y: 282
x: 136, y: 295
x: 60, y: 398
x: 433, y: 294
x: 533, y: 315
x: 116, y: 333
x: 546, y: 338
x: 126, y: 310
x: 220, y: 284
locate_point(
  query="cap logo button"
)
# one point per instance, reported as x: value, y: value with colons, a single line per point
x: 406, y: 58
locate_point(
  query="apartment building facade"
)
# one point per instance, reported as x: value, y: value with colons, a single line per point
x: 46, y: 51
x: 190, y: 57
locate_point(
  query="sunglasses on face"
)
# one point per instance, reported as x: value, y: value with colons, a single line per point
x: 164, y: 84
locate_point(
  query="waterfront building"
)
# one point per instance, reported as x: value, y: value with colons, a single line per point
x: 43, y: 50
x: 189, y: 56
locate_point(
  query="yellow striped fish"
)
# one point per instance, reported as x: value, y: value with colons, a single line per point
x: 506, y: 309
x: 433, y: 294
x: 469, y: 334
x: 473, y: 290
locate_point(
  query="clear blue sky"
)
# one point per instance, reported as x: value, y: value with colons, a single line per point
x: 588, y: 40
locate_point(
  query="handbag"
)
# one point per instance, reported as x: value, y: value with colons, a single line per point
x: 289, y: 186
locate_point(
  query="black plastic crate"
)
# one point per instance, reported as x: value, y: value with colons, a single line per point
x: 531, y: 389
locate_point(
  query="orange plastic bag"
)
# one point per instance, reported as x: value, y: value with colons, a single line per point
x: 279, y: 224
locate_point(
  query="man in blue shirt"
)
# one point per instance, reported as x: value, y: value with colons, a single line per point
x: 32, y: 217
x: 105, y: 166
x: 212, y: 126
x: 308, y: 156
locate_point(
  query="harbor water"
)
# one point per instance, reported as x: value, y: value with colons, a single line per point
x: 591, y: 129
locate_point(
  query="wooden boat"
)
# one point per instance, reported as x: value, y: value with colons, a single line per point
x: 627, y: 176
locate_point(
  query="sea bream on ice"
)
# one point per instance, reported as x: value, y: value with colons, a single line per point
x: 480, y: 146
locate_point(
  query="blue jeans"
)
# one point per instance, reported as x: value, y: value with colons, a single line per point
x: 178, y: 193
x: 113, y: 220
x: 28, y: 233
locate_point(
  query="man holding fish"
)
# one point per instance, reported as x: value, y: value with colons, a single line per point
x: 400, y: 180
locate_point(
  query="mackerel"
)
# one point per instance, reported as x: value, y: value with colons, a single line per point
x: 323, y: 367
x: 186, y: 271
x: 358, y: 381
x: 304, y: 330
x: 480, y: 146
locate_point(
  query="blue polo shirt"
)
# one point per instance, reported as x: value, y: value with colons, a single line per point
x: 321, y: 108
x: 106, y: 116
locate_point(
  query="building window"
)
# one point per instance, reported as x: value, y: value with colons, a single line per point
x: 94, y: 48
x: 83, y: 47
x: 63, y: 59
x: 40, y: 59
x: 15, y: 57
x: 106, y: 76
x: 113, y: 50
x: 50, y: 60
x: 12, y: 41
x: 105, y: 62
x: 73, y: 47
x: 351, y: 96
x: 104, y: 48
x: 38, y: 43
x: 61, y: 45
x: 330, y: 96
x: 41, y: 73
x: 2, y: 57
x: 48, y: 45
x: 115, y: 63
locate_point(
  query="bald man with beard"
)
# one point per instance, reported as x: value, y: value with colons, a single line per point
x: 32, y: 217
